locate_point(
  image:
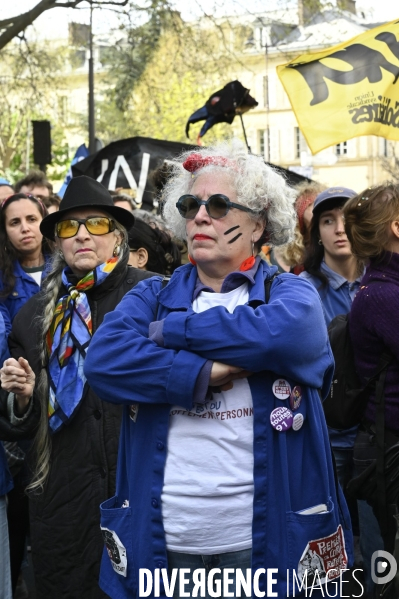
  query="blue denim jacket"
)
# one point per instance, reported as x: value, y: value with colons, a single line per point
x: 337, y: 298
x: 25, y: 287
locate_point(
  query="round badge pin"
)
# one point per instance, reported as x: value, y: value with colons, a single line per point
x: 281, y: 419
x: 281, y: 389
x: 295, y: 398
x: 297, y: 422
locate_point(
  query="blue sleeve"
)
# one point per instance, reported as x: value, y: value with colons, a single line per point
x: 124, y: 366
x: 4, y: 353
x: 6, y: 318
x: 287, y: 336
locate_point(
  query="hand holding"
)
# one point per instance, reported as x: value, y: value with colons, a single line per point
x: 17, y: 377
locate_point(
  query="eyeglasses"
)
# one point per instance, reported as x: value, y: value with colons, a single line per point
x: 217, y: 206
x: 96, y: 225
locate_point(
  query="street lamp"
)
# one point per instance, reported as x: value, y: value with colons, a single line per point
x: 92, y: 120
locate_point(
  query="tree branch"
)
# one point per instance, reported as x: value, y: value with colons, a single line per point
x: 15, y: 25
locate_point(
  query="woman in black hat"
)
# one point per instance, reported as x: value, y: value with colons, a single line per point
x: 77, y: 434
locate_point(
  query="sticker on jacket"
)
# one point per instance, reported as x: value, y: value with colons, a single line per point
x: 133, y: 411
x: 323, y: 559
x: 116, y: 551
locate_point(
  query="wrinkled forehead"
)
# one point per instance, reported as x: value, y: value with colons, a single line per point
x: 216, y: 180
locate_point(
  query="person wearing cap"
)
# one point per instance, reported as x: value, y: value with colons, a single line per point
x: 74, y: 462
x: 329, y: 263
x: 336, y: 274
x: 226, y: 439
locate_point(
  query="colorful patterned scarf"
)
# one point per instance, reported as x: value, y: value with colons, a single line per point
x: 67, y: 341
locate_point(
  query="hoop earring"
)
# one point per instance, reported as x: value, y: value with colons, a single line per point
x: 61, y: 255
x: 191, y: 260
x: 320, y: 242
x: 117, y: 251
x: 249, y: 262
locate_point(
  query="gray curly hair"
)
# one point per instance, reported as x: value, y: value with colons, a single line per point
x: 258, y: 186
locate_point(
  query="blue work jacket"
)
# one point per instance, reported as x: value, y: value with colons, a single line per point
x: 337, y: 296
x: 25, y: 287
x: 287, y: 338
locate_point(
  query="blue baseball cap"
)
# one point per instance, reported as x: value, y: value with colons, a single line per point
x: 4, y: 182
x: 332, y: 193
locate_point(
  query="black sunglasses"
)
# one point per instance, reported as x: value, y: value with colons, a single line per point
x: 217, y: 206
x: 96, y: 225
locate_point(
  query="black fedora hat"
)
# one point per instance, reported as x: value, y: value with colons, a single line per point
x: 85, y: 192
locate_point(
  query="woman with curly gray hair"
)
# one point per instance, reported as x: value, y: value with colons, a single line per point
x: 219, y: 371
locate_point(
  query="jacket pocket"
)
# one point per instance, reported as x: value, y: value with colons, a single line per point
x: 117, y: 568
x: 316, y: 542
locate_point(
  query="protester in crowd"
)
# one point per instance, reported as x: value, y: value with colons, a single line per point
x: 372, y: 226
x: 25, y: 257
x: 24, y: 253
x: 76, y: 444
x: 155, y: 221
x: 293, y: 253
x: 207, y: 470
x: 52, y: 203
x: 5, y: 189
x: 336, y: 274
x: 35, y: 183
x: 152, y: 249
x: 123, y: 201
x: 329, y: 264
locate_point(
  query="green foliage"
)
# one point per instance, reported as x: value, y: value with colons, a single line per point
x: 27, y: 72
x: 184, y: 66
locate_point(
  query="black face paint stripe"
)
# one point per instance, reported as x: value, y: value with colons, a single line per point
x: 232, y: 229
x: 235, y: 238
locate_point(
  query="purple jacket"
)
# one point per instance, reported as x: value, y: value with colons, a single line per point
x: 374, y: 325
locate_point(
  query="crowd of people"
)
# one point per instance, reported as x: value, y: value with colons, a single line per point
x: 165, y: 413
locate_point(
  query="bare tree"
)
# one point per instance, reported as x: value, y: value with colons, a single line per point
x: 14, y: 26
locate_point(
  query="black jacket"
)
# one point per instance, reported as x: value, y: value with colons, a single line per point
x: 65, y: 524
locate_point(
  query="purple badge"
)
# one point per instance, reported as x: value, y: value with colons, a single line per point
x: 295, y: 398
x: 281, y: 418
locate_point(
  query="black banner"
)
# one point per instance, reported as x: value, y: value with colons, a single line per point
x: 127, y: 163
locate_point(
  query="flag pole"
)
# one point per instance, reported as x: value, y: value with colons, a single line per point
x: 245, y: 135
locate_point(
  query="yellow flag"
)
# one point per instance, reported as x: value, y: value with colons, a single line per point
x: 349, y: 90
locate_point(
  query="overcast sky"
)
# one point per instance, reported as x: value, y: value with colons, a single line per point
x: 55, y: 21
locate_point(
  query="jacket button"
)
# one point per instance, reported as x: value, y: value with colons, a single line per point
x: 103, y: 472
x: 154, y: 503
x: 129, y: 281
x: 160, y: 446
x: 97, y: 414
